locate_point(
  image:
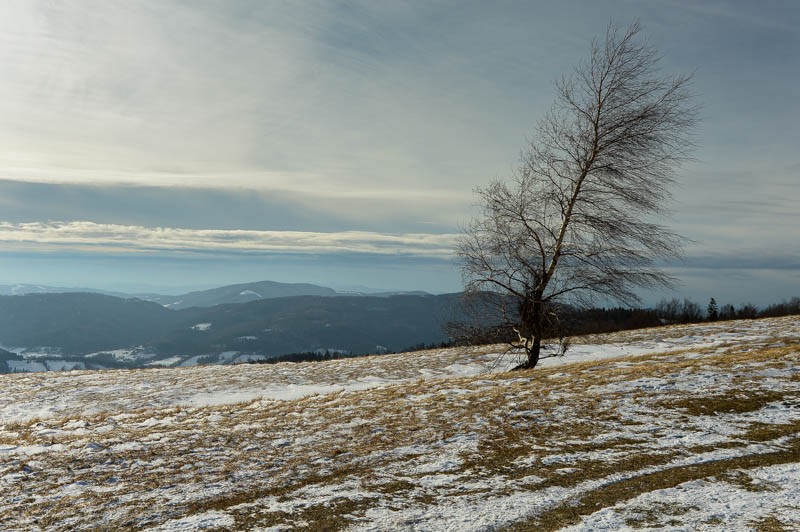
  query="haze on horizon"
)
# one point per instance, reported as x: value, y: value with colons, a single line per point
x: 173, y: 145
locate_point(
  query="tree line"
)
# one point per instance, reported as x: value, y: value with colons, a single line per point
x: 569, y: 321
x: 687, y: 311
x: 575, y: 321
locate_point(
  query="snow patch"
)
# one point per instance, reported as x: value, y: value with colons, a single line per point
x: 171, y: 361
x: 211, y: 519
x: 251, y: 293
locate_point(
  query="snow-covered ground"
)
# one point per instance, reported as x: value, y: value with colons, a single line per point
x: 688, y: 427
x: 125, y: 355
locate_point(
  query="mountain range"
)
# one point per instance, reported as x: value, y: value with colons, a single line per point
x: 236, y: 323
x: 235, y: 293
x: 240, y: 293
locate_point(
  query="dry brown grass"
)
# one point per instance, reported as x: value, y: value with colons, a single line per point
x: 771, y: 524
x: 571, y: 512
x: 739, y: 402
x: 590, y: 427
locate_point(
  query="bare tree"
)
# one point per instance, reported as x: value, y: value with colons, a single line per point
x: 577, y: 220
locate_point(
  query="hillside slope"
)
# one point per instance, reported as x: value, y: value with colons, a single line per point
x: 94, y: 331
x: 356, y: 324
x: 241, y: 293
x: 688, y: 427
x: 76, y: 323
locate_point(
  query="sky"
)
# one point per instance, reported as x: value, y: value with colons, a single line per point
x: 172, y: 145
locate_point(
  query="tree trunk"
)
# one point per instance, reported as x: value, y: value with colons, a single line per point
x: 535, y: 318
x: 533, y: 354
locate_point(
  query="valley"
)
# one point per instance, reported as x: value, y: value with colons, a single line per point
x: 63, y: 331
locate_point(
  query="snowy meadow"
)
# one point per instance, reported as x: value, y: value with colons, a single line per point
x: 691, y: 427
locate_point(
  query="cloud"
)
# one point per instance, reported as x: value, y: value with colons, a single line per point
x: 254, y: 94
x: 750, y: 259
x: 317, y: 118
x: 232, y: 208
x: 358, y: 98
x: 108, y: 238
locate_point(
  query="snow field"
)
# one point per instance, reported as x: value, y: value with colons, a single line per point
x: 678, y: 419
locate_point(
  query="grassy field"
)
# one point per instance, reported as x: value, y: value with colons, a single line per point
x: 693, y: 427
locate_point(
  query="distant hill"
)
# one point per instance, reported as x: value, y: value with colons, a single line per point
x: 356, y: 324
x: 241, y: 293
x: 23, y: 289
x: 235, y: 293
x: 381, y: 293
x: 99, y: 331
x: 77, y: 323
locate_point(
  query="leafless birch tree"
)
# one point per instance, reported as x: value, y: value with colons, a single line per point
x: 578, y: 219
